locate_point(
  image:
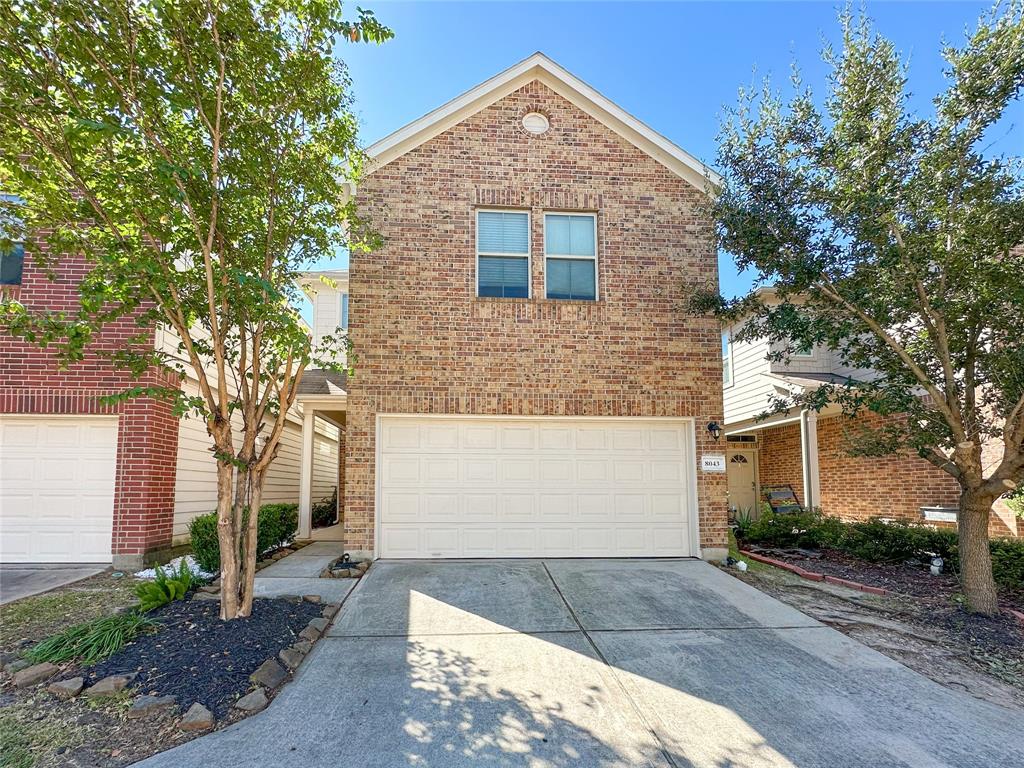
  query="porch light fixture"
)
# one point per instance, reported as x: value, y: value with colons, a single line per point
x: 715, y: 430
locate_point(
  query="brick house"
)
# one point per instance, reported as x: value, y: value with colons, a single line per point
x: 810, y: 452
x: 86, y: 482
x: 528, y: 381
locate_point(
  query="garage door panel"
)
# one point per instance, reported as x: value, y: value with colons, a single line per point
x: 533, y: 487
x: 57, y: 488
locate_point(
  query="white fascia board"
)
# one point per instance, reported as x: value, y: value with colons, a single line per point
x: 540, y: 67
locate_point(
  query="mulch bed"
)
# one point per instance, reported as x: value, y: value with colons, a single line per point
x: 197, y: 657
x: 911, y: 579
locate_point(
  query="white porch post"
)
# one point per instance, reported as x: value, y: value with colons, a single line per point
x: 809, y: 456
x: 306, y: 472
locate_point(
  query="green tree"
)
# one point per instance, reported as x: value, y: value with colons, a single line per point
x: 895, y: 239
x: 198, y: 154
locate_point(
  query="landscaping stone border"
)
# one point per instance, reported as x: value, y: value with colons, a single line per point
x: 812, y: 576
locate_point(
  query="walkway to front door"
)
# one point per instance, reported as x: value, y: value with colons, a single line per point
x: 598, y: 663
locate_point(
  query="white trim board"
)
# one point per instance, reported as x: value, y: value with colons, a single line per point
x: 539, y: 67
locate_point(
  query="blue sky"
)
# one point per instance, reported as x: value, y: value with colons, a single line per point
x: 672, y: 65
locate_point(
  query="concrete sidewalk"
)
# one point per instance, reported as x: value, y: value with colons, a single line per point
x: 27, y: 579
x: 599, y: 663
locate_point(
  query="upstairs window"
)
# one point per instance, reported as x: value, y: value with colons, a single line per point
x: 12, y: 256
x: 570, y: 256
x: 503, y: 254
x: 726, y: 358
x: 343, y: 310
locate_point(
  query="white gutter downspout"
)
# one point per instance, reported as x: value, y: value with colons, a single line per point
x: 809, y: 458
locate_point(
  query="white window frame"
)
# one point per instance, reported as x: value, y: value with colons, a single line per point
x: 808, y: 355
x: 528, y: 254
x: 341, y: 309
x: 597, y: 271
x: 729, y: 358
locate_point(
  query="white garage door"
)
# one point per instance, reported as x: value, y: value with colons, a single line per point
x: 536, y: 487
x: 57, y: 488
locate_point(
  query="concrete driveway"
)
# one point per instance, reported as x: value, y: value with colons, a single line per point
x: 599, y: 663
x: 26, y: 579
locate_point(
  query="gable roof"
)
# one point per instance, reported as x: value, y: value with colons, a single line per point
x: 540, y: 67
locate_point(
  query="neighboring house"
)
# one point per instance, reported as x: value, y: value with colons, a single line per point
x: 85, y: 482
x: 527, y: 379
x: 810, y: 452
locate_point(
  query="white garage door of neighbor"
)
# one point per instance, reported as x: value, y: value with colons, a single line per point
x: 534, y: 487
x: 57, y: 488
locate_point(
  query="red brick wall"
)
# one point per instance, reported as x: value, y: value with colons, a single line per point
x: 32, y: 382
x: 426, y: 344
x: 856, y: 487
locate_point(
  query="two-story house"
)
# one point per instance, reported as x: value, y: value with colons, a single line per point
x: 527, y: 379
x: 810, y: 451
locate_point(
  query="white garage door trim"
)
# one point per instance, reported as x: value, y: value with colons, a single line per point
x: 57, y: 497
x: 687, y: 461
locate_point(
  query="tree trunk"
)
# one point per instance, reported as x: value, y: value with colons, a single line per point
x: 975, y: 558
x: 228, y: 540
x: 249, y: 543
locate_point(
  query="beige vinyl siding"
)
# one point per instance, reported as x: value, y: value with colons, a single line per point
x: 326, y: 312
x: 195, y: 485
x: 750, y: 391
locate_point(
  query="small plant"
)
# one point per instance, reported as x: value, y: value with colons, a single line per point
x: 92, y: 641
x: 165, y: 589
x: 325, y: 512
x: 742, y: 518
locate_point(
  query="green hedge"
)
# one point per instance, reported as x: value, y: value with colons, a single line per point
x: 878, y: 541
x: 277, y: 525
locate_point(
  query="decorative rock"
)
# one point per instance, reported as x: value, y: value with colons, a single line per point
x: 148, y: 705
x: 320, y: 624
x: 205, y: 596
x: 279, y: 555
x: 270, y: 674
x: 109, y: 685
x: 291, y: 657
x: 210, y: 589
x: 252, y: 702
x: 35, y: 674
x: 355, y: 573
x: 198, y: 718
x: 7, y: 658
x: 310, y: 633
x: 311, y: 598
x: 302, y: 646
x: 330, y: 610
x: 14, y: 667
x: 67, y: 689
x: 363, y: 566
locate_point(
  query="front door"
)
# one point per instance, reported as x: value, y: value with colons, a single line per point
x: 742, y: 476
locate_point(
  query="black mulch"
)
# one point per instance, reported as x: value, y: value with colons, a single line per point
x: 912, y: 579
x: 195, y: 656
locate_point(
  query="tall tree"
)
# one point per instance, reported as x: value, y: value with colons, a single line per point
x: 198, y: 154
x: 896, y: 239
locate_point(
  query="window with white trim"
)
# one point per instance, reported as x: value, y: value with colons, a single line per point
x: 12, y: 254
x: 727, y: 358
x: 570, y: 256
x: 804, y: 349
x: 503, y: 254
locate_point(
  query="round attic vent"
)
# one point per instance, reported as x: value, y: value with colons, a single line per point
x: 535, y: 123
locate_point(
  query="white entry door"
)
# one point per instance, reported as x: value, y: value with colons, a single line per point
x: 57, y: 488
x: 742, y: 477
x: 535, y: 487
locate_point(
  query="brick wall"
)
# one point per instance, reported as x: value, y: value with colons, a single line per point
x: 857, y: 487
x: 426, y: 344
x: 32, y: 383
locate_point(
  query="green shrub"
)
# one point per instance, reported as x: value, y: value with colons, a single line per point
x: 165, y: 589
x: 277, y: 525
x: 325, y: 512
x: 880, y: 542
x: 92, y: 641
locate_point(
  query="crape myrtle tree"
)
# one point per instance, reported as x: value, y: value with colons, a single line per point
x: 895, y: 239
x: 196, y: 154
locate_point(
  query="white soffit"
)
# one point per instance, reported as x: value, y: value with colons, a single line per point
x: 571, y: 88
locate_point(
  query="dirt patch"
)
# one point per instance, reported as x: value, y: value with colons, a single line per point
x: 931, y: 634
x: 31, y: 619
